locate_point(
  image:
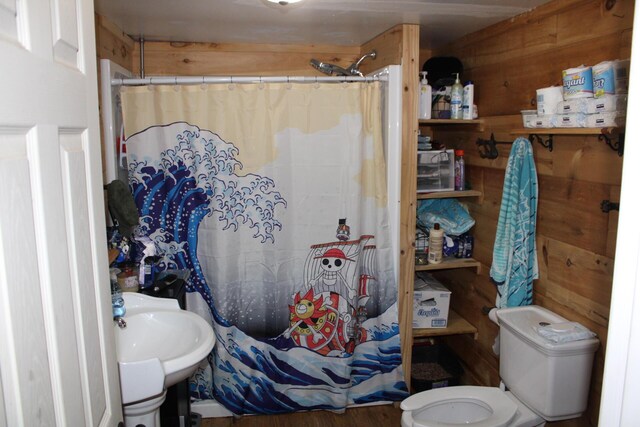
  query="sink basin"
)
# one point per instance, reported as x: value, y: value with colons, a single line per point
x: 160, y: 346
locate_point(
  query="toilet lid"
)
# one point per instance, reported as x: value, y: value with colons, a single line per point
x: 449, y: 400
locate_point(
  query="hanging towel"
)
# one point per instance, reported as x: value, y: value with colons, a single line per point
x: 515, y: 263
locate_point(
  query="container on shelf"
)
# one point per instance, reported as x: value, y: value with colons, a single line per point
x: 528, y: 118
x: 430, y: 302
x: 434, y: 365
x: 436, y: 244
x: 436, y: 171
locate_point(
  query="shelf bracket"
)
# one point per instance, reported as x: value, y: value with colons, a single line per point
x: 534, y: 137
x: 615, y: 146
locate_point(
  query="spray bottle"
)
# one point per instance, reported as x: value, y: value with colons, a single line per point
x: 456, y: 99
x: 425, y: 98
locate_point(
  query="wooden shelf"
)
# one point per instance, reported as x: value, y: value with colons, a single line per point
x: 450, y: 122
x: 449, y: 263
x: 449, y: 194
x: 566, y: 131
x: 456, y: 325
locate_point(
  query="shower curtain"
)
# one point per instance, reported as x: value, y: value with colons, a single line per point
x: 273, y: 196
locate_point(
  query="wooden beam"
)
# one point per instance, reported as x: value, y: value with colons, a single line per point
x: 410, y: 81
x: 113, y: 44
x: 388, y: 47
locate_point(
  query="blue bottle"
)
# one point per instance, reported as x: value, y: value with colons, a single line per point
x: 117, y: 301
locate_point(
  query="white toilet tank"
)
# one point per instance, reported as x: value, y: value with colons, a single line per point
x: 550, y: 378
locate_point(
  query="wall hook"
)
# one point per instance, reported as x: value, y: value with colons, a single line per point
x: 607, y: 205
x: 534, y: 137
x: 487, y: 147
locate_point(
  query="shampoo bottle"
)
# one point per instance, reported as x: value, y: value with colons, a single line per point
x: 456, y: 99
x: 467, y: 101
x: 436, y: 239
x: 425, y: 98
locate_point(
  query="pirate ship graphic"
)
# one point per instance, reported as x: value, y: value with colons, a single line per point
x: 327, y: 313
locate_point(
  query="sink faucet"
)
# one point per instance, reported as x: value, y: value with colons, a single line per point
x: 120, y: 322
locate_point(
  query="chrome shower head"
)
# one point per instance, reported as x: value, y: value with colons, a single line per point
x: 332, y: 69
x: 329, y: 69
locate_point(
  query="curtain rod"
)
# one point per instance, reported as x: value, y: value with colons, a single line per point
x: 185, y: 80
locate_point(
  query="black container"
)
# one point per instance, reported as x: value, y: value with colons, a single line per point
x: 434, y: 366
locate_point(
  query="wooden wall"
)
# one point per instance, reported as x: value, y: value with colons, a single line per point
x: 224, y: 59
x: 575, y: 240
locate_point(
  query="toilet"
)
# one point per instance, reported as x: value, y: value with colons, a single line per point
x: 541, y: 381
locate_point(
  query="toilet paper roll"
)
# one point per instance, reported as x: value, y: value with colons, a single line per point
x: 548, y: 99
x: 577, y: 83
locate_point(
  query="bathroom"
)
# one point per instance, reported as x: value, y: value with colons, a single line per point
x: 508, y: 62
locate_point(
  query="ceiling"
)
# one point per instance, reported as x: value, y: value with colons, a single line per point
x: 333, y: 22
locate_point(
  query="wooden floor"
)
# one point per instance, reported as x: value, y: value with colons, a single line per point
x: 370, y: 416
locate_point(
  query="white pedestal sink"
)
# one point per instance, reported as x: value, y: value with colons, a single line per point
x: 160, y: 346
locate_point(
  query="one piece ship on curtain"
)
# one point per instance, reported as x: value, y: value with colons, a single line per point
x: 328, y: 314
x: 305, y: 315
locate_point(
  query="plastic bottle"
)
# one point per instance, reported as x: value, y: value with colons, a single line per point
x: 456, y: 99
x: 117, y: 301
x: 468, y: 247
x: 436, y: 238
x: 459, y: 168
x: 467, y: 101
x: 425, y: 98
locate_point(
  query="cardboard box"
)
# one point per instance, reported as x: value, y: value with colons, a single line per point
x: 430, y: 302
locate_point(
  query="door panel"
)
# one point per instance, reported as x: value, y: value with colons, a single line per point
x: 25, y: 369
x: 8, y: 22
x: 65, y: 32
x: 57, y: 364
x: 74, y: 161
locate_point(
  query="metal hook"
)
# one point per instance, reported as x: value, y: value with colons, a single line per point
x: 487, y: 147
x: 548, y: 144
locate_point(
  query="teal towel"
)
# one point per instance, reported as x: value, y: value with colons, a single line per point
x: 515, y: 262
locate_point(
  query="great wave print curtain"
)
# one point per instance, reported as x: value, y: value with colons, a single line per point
x: 273, y: 196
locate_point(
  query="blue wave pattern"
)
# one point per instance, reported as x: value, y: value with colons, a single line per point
x: 197, y: 178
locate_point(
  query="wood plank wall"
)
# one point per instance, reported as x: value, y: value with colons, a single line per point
x: 224, y: 59
x: 575, y: 240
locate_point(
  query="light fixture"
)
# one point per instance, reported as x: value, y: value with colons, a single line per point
x: 284, y: 2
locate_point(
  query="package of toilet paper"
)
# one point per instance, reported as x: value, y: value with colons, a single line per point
x: 604, y: 82
x: 577, y: 83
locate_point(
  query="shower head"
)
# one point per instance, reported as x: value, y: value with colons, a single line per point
x: 329, y: 69
x: 354, y: 69
x: 332, y: 69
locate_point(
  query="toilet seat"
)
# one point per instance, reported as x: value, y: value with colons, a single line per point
x: 500, y: 409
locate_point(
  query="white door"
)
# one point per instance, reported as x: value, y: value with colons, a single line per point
x: 57, y: 354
